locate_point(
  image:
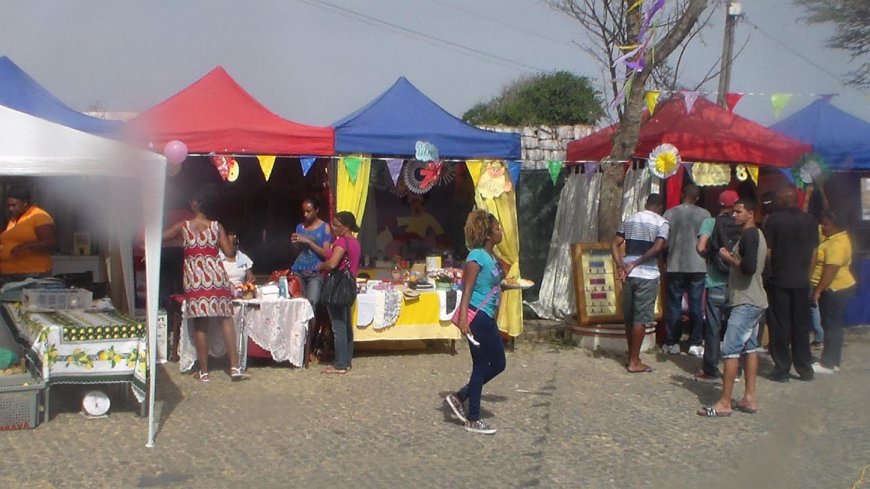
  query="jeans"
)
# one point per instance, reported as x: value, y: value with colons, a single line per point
x: 678, y: 284
x: 742, y: 331
x: 833, y: 306
x: 311, y: 283
x: 717, y: 302
x: 343, y: 332
x: 789, y: 327
x: 487, y: 361
x: 816, y: 321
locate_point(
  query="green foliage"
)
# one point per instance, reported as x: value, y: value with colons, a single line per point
x: 549, y: 99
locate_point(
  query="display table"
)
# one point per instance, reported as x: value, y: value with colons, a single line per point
x: 79, y: 347
x: 388, y: 315
x: 279, y: 326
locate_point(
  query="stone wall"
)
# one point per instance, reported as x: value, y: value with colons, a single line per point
x: 542, y: 143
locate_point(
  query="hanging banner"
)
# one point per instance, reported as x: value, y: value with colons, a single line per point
x: 689, y: 98
x: 352, y: 163
x: 494, y: 181
x: 474, y: 169
x: 514, y: 169
x: 222, y: 163
x: 711, y: 174
x: 778, y: 101
x: 267, y: 162
x: 555, y: 168
x: 307, y: 162
x: 394, y: 165
x: 652, y: 98
x: 731, y: 99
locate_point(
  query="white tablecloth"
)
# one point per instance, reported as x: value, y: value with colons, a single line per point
x: 278, y: 325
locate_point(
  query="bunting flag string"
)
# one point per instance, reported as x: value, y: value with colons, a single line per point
x: 689, y: 98
x: 555, y: 168
x: 731, y: 99
x: 514, y: 168
x: 352, y: 163
x: 307, y: 162
x: 778, y: 101
x: 267, y: 162
x: 394, y: 165
x: 652, y: 98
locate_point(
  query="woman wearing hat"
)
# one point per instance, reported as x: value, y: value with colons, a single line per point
x: 344, y: 254
x: 28, y: 240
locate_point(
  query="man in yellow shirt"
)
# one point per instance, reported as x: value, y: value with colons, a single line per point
x: 833, y: 287
x: 28, y: 240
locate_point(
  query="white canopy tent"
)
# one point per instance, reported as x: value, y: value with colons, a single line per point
x: 30, y: 146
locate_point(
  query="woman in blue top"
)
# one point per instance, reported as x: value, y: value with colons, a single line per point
x: 481, y: 290
x: 314, y: 236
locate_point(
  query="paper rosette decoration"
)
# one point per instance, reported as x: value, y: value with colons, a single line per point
x: 809, y: 169
x: 421, y: 176
x: 664, y: 160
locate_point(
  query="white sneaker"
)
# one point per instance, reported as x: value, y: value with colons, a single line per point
x: 697, y: 351
x: 671, y: 349
x: 821, y: 369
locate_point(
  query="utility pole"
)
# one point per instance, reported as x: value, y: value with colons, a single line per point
x: 733, y: 11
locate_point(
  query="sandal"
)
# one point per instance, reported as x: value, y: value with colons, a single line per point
x: 203, y: 376
x: 711, y: 412
x: 238, y: 375
x: 332, y: 370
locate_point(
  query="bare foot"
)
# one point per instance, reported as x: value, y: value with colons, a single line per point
x: 638, y: 368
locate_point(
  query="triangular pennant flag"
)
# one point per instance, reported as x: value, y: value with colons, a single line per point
x: 689, y: 166
x: 689, y: 98
x: 753, y: 173
x: 555, y: 168
x: 514, y: 169
x: 731, y: 99
x: 779, y: 101
x: 652, y: 98
x: 352, y: 164
x: 474, y: 168
x: 394, y: 165
x: 307, y: 162
x: 591, y: 168
x: 222, y: 163
x: 267, y: 162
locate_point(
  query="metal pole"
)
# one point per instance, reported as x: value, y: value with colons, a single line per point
x: 732, y: 12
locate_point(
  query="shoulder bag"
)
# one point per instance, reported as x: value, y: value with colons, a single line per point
x: 471, y: 313
x: 339, y: 288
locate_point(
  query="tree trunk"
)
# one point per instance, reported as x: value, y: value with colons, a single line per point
x: 624, y: 142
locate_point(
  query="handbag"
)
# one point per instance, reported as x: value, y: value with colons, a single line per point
x: 470, y: 313
x: 339, y: 288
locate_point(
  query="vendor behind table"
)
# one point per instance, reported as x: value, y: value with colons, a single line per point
x: 28, y: 240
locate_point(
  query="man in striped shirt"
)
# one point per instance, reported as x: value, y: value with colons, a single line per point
x: 645, y: 236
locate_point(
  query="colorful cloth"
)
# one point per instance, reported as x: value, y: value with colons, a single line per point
x: 206, y: 286
x: 640, y: 232
x: 308, y: 260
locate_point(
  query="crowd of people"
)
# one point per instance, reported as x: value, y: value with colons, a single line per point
x: 769, y: 264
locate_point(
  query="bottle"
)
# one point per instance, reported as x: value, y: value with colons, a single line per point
x: 282, y: 287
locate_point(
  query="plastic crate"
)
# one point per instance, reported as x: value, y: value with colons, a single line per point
x: 19, y: 399
x: 57, y: 298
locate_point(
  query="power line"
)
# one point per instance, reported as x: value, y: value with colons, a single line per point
x: 495, y: 21
x: 367, y: 19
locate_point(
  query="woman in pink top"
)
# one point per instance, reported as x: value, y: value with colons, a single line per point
x: 344, y: 254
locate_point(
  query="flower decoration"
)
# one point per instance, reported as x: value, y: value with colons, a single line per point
x: 809, y: 169
x: 664, y: 160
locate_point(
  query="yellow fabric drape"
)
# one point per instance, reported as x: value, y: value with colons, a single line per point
x: 350, y: 196
x: 504, y: 208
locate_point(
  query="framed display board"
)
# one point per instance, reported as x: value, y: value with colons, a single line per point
x: 598, y: 291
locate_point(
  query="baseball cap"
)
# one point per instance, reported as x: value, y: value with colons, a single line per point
x: 728, y: 198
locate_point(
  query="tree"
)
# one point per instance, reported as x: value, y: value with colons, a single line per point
x: 852, y: 19
x: 548, y: 98
x: 613, y: 26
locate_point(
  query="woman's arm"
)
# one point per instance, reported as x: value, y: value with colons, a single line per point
x: 469, y: 277
x: 224, y: 242
x: 173, y: 232
x: 828, y: 274
x: 249, y: 276
x: 334, y: 260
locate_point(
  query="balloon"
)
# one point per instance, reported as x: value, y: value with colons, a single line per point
x: 175, y: 152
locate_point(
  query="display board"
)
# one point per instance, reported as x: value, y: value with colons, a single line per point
x: 598, y: 291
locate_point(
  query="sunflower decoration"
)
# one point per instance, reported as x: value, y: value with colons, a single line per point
x: 809, y: 169
x: 664, y: 160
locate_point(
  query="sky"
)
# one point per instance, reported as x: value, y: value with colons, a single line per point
x: 315, y: 61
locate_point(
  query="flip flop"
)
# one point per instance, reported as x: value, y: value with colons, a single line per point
x: 710, y: 412
x: 645, y: 370
x: 743, y: 409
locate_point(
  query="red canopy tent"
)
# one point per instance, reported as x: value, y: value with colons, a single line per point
x: 215, y: 114
x: 709, y: 133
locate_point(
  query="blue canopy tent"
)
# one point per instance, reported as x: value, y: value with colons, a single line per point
x: 840, y: 138
x: 392, y: 123
x: 21, y: 92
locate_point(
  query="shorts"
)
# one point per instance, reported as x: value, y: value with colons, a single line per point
x: 741, y: 334
x: 639, y: 300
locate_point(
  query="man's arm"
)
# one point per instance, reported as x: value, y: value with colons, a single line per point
x: 616, y: 254
x: 650, y: 254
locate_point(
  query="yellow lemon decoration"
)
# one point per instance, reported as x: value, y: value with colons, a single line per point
x: 664, y: 160
x: 102, y: 355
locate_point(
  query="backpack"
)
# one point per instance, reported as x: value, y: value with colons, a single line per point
x: 726, y: 233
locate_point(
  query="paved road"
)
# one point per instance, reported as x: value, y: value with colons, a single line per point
x: 566, y: 418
